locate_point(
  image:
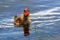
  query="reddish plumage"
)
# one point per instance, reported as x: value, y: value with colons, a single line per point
x: 26, y: 12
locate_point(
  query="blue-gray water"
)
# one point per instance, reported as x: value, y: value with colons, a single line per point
x: 44, y: 14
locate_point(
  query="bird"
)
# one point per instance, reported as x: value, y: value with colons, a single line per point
x: 23, y: 21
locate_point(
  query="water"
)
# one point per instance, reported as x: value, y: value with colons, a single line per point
x: 45, y: 16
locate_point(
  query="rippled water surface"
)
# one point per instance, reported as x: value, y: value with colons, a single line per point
x: 44, y: 14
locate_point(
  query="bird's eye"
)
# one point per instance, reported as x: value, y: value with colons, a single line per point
x: 24, y: 10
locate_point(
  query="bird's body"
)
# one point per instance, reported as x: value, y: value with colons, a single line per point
x: 18, y: 21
